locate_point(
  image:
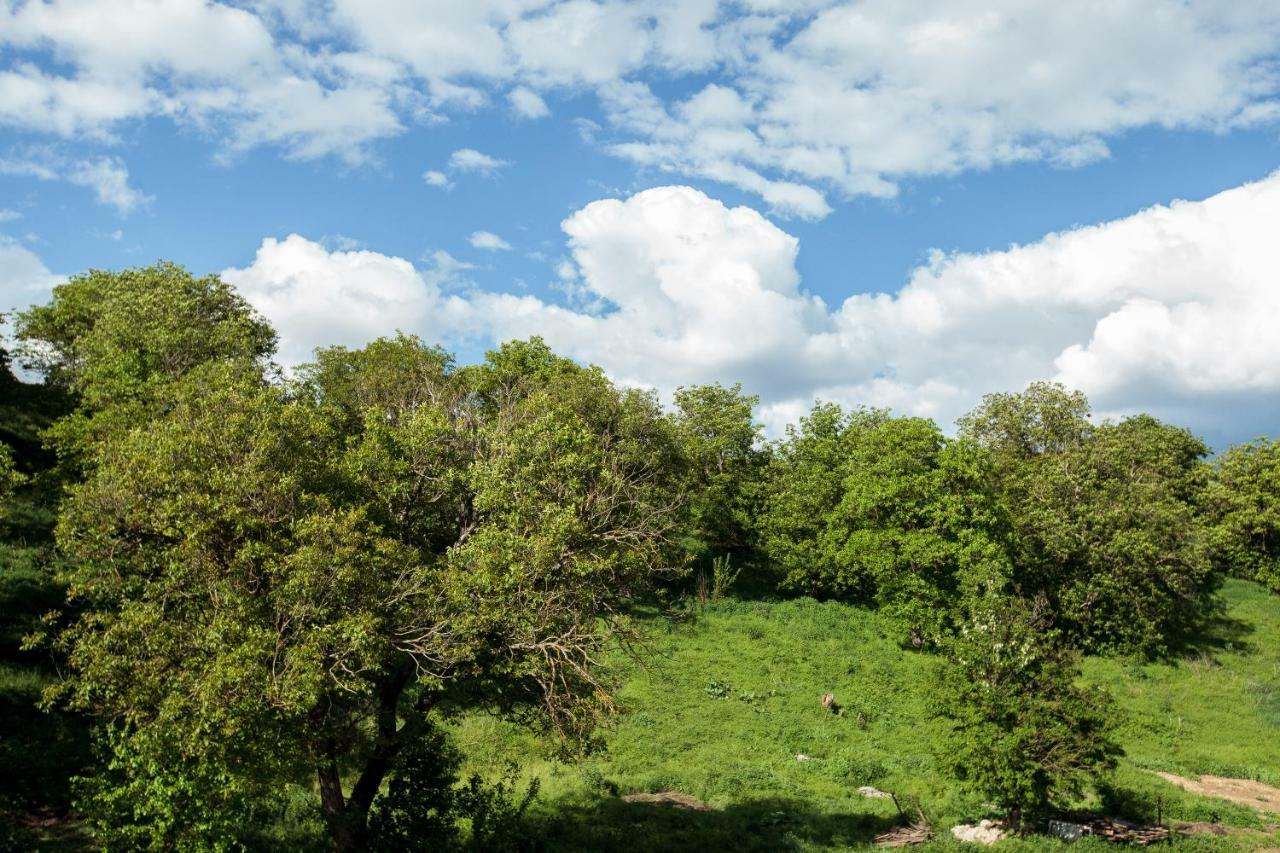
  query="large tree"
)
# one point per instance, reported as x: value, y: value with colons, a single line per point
x: 884, y: 511
x: 281, y: 580
x: 277, y: 582
x: 1104, y: 516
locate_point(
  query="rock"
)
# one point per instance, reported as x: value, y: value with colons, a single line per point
x: 803, y: 757
x: 874, y: 793
x: 984, y: 832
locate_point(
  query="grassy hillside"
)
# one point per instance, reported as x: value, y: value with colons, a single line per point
x: 735, y: 697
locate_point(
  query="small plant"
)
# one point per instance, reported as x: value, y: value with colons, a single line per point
x: 717, y: 689
x: 723, y: 576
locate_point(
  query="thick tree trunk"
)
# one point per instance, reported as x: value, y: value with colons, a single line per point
x: 346, y: 829
x: 348, y: 816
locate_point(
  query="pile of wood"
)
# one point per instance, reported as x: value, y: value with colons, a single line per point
x: 905, y: 836
x: 1109, y: 829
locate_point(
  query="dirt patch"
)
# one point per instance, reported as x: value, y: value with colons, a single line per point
x: 671, y: 799
x: 1242, y: 791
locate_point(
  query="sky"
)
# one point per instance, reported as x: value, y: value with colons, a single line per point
x: 869, y: 202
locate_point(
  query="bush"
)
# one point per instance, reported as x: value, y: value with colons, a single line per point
x: 1021, y: 733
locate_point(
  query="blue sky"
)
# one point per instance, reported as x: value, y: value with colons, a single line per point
x: 816, y: 199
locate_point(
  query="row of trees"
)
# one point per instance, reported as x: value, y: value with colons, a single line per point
x: 275, y: 578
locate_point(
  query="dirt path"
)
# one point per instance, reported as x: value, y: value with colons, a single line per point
x: 1241, y: 791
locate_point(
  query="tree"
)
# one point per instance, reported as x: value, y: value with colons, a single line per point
x: 884, y: 511
x: 281, y: 581
x: 803, y: 486
x: 1019, y: 730
x: 115, y: 340
x: 1242, y: 508
x: 1103, y: 518
x: 722, y: 445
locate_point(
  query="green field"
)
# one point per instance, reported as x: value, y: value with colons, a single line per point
x: 733, y: 696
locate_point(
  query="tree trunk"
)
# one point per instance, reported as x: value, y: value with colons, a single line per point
x: 348, y: 817
x: 345, y: 828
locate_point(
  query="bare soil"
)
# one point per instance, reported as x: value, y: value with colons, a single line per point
x: 674, y: 799
x: 1243, y: 791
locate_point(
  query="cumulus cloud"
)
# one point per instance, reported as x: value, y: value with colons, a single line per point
x: 317, y: 297
x: 488, y: 241
x: 797, y: 103
x: 1171, y: 310
x: 436, y: 178
x: 108, y: 177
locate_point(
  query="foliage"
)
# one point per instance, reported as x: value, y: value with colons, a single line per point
x: 425, y: 805
x: 1022, y: 734
x: 262, y: 569
x: 883, y: 511
x: 722, y: 446
x: 10, y: 477
x: 1242, y: 506
x: 115, y: 340
x: 418, y: 810
x: 1104, y: 518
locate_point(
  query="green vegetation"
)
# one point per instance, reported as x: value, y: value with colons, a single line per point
x: 330, y: 609
x: 731, y: 697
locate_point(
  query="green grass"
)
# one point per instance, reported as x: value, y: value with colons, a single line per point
x: 734, y: 696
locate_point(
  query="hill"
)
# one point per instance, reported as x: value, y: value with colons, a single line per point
x: 729, y: 713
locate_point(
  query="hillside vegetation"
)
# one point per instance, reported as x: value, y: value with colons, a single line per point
x: 383, y: 601
x: 732, y: 697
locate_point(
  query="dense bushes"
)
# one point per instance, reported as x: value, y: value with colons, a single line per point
x: 883, y: 511
x: 1243, y: 509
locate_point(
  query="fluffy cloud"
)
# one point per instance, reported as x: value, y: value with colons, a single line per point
x: 805, y: 100
x: 488, y: 241
x: 316, y: 297
x: 1171, y: 310
x: 528, y: 103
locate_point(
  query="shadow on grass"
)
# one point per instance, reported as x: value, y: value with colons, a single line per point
x: 755, y: 825
x: 1218, y: 631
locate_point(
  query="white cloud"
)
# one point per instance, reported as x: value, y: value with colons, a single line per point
x: 867, y: 94
x: 1172, y: 310
x: 317, y: 297
x: 527, y: 103
x: 798, y: 103
x: 7, y: 215
x: 108, y: 177
x: 471, y: 161
x: 488, y: 241
x: 434, y: 178
x: 24, y: 279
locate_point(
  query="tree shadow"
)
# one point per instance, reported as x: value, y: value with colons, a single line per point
x: 1216, y: 631
x: 764, y: 824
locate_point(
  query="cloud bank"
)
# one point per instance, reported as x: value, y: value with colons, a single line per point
x: 1172, y: 310
x: 808, y: 102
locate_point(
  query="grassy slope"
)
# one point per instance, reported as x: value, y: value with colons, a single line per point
x: 735, y: 697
